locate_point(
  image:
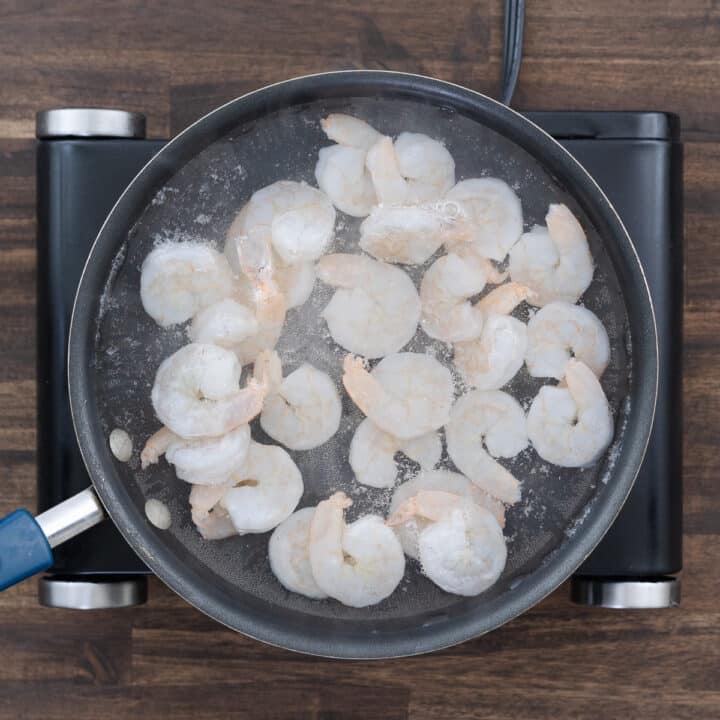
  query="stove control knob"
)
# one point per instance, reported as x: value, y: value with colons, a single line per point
x: 89, y: 123
x: 626, y: 593
x: 91, y: 593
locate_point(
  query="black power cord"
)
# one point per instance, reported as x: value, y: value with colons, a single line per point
x: 512, y: 47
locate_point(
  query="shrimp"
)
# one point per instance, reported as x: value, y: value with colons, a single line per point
x: 350, y: 131
x: 372, y: 453
x: 211, y: 520
x: 226, y: 323
x: 462, y: 550
x: 560, y: 330
x: 265, y: 490
x: 492, y: 360
x: 289, y: 555
x: 196, y: 392
x: 302, y: 411
x: 447, y: 314
x: 496, y: 419
x: 415, y: 169
x: 376, y: 308
x: 204, y: 461
x: 555, y: 261
x: 495, y: 212
x: 447, y: 481
x: 406, y: 395
x: 571, y: 426
x: 358, y: 564
x: 341, y: 174
x: 426, y: 164
x: 296, y: 219
x: 340, y: 171
x: 412, y: 234
x: 178, y: 279
x: 255, y: 258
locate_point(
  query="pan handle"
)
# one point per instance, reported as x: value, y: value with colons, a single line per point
x: 26, y: 542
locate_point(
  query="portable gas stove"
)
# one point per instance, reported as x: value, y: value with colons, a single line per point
x: 87, y: 157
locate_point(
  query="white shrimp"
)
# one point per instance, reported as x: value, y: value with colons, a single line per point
x: 414, y: 169
x: 412, y: 234
x: 204, y: 461
x: 571, y: 426
x: 296, y: 219
x: 372, y: 453
x: 496, y: 419
x: 462, y: 550
x: 226, y: 323
x: 265, y: 490
x: 492, y: 360
x: 197, y: 392
x: 178, y: 279
x: 560, y: 331
x: 495, y: 211
x: 406, y: 395
x: 446, y: 481
x: 301, y: 411
x: 340, y: 171
x: 555, y: 261
x: 375, y: 309
x: 350, y: 131
x: 447, y: 314
x: 211, y: 520
x: 289, y: 554
x: 426, y: 164
x: 358, y: 564
x: 255, y: 260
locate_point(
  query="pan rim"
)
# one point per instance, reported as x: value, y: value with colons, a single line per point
x: 558, y: 565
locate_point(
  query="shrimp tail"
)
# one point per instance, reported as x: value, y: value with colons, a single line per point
x: 156, y: 446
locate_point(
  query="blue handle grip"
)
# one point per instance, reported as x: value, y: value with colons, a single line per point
x: 24, y: 549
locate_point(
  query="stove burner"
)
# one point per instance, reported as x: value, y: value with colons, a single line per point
x: 86, y: 158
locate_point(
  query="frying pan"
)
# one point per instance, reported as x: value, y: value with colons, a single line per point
x: 192, y: 188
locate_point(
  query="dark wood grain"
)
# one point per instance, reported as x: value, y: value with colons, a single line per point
x: 175, y: 61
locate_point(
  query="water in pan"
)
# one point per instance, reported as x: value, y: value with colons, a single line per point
x: 199, y: 203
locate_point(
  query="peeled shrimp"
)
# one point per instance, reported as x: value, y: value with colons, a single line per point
x: 462, y: 550
x: 226, y: 323
x: 571, y: 426
x: 406, y: 395
x: 555, y: 261
x: 492, y: 360
x: 205, y: 461
x: 301, y: 411
x: 296, y: 219
x: 211, y: 520
x: 411, y: 234
x: 255, y: 259
x: 265, y: 490
x: 178, y: 279
x: 446, y: 481
x: 358, y: 564
x: 350, y: 131
x: 340, y: 171
x: 496, y: 419
x: 447, y: 314
x: 289, y: 554
x: 372, y: 453
x: 495, y: 211
x: 376, y: 308
x: 559, y: 331
x: 414, y: 169
x: 197, y: 392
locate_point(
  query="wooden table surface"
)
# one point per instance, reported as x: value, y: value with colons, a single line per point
x: 175, y: 61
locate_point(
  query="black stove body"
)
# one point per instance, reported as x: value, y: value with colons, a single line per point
x: 637, y: 160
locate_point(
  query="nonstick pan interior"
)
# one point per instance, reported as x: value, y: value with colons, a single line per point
x: 196, y: 199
